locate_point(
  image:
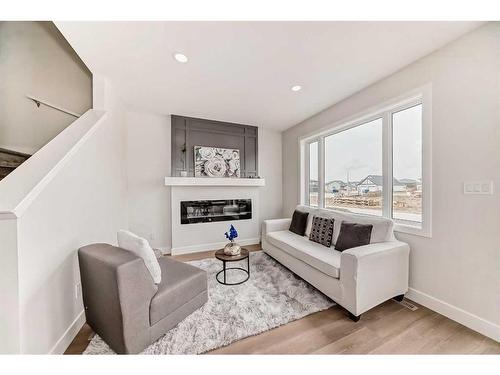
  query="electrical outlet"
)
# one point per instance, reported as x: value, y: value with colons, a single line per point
x: 78, y: 291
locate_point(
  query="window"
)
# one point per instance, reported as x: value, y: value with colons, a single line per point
x: 375, y: 165
x: 353, y: 169
x: 313, y: 174
x: 407, y: 164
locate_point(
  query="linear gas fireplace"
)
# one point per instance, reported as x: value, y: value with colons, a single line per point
x: 207, y: 211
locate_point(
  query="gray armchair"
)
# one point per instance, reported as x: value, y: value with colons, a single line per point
x: 122, y: 303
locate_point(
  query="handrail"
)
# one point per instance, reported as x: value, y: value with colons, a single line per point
x: 40, y: 101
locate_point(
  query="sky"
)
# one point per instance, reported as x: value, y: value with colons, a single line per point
x: 358, y: 151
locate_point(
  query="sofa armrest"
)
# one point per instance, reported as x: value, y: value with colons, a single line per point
x: 374, y: 273
x: 275, y: 225
x: 375, y: 249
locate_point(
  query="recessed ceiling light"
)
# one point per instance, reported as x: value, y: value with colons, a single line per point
x: 180, y: 57
x: 296, y: 88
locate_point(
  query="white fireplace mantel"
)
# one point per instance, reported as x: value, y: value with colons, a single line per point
x: 214, y: 181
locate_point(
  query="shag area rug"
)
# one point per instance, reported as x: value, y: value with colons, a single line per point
x: 271, y: 297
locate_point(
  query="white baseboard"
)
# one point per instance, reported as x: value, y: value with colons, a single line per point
x: 210, y: 246
x: 457, y: 314
x: 165, y: 250
x: 68, y: 336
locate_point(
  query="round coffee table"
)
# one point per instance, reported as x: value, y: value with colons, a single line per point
x: 219, y: 254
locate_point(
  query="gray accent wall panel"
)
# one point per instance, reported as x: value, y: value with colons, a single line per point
x: 192, y: 132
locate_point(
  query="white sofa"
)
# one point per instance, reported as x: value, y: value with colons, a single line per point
x: 358, y: 278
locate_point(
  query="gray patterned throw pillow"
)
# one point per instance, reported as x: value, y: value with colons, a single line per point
x: 322, y: 230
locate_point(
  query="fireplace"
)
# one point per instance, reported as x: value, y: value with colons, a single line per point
x: 206, y: 211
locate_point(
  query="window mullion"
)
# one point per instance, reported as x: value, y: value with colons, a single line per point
x: 307, y: 175
x: 387, y: 165
x: 321, y: 172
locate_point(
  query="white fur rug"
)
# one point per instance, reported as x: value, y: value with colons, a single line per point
x: 271, y: 297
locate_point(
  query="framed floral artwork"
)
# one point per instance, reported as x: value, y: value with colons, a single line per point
x: 216, y: 162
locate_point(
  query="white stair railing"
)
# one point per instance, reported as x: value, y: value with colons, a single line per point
x: 38, y: 102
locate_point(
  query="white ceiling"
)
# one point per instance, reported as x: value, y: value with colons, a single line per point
x: 242, y: 71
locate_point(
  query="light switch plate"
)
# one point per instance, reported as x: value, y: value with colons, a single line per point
x: 478, y: 187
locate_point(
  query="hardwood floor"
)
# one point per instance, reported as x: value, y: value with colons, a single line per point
x: 389, y: 328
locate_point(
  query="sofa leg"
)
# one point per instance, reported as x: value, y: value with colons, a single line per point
x: 399, y: 298
x: 353, y: 317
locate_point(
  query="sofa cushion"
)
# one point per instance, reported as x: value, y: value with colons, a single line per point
x: 180, y: 283
x: 326, y: 260
x: 382, y: 227
x: 299, y: 222
x: 353, y: 235
x: 322, y: 230
x: 311, y: 211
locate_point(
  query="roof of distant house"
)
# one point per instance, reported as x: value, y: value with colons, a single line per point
x: 379, y: 181
x: 336, y: 182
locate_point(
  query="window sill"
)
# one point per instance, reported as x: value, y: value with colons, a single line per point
x: 412, y: 229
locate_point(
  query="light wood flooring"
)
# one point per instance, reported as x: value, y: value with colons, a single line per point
x: 389, y: 328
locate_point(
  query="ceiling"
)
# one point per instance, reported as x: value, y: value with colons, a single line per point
x: 243, y: 71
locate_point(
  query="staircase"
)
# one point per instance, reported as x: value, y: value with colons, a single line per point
x: 10, y: 160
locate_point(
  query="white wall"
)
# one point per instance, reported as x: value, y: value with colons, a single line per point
x: 9, y: 288
x: 85, y: 202
x: 148, y: 153
x: 270, y: 165
x: 35, y: 59
x: 457, y: 270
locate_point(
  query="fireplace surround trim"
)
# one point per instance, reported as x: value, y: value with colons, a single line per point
x: 214, y: 181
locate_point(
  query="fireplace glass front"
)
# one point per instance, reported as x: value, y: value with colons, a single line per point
x: 206, y: 211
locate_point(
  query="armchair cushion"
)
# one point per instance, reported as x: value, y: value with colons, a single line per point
x: 180, y: 284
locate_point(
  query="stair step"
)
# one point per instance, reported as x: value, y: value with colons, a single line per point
x: 5, y: 171
x: 10, y: 160
x: 9, y: 164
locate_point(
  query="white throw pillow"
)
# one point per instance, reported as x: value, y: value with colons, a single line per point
x: 140, y: 247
